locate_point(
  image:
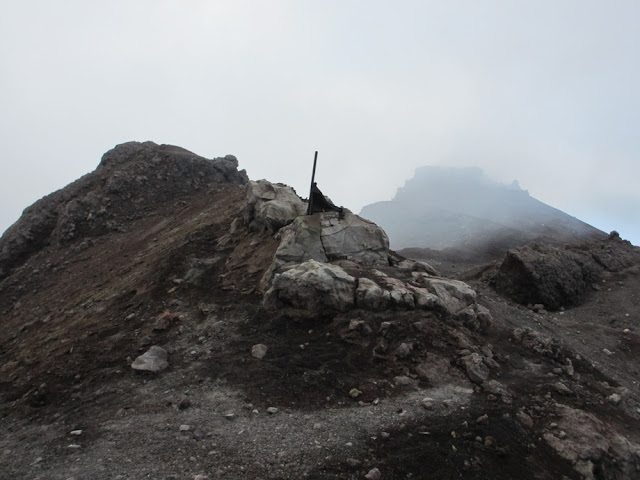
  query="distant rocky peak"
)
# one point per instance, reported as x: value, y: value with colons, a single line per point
x: 452, y: 182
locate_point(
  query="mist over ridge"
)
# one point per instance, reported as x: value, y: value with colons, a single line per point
x: 461, y: 207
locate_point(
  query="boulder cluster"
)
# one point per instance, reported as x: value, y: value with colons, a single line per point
x: 328, y: 262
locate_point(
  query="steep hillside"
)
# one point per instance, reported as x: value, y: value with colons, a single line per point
x: 165, y: 317
x: 460, y: 210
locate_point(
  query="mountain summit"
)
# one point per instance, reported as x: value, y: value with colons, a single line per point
x: 460, y: 208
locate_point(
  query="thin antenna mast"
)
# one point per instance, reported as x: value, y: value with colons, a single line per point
x: 313, y: 178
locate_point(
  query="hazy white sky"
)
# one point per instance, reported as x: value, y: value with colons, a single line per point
x: 545, y: 92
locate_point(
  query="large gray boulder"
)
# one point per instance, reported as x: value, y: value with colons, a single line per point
x: 354, y: 238
x: 271, y: 206
x: 326, y: 237
x: 314, y: 287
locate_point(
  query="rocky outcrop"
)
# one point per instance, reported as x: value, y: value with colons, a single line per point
x: 561, y: 277
x: 271, y: 206
x: 326, y: 237
x: 130, y: 180
x: 593, y: 447
x: 321, y: 289
x: 542, y: 274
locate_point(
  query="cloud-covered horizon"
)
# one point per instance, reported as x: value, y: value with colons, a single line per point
x: 545, y: 93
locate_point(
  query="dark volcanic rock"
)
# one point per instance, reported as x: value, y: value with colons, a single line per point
x: 543, y: 274
x: 130, y: 179
x: 557, y: 277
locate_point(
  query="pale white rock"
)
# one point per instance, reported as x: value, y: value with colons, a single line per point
x: 153, y: 360
x: 408, y: 265
x: 354, y: 393
x: 271, y: 206
x: 476, y: 370
x: 370, y: 296
x: 326, y: 237
x: 354, y: 238
x: 259, y: 351
x: 476, y: 317
x: 425, y: 299
x: 400, y: 293
x: 374, y: 474
x: 614, y: 399
x: 455, y: 295
x: 312, y: 286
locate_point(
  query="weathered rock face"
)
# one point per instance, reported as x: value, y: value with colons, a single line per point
x: 325, y: 237
x: 561, y: 277
x: 541, y: 274
x: 271, y: 206
x: 130, y: 180
x: 312, y: 286
x: 587, y: 442
x: 322, y: 288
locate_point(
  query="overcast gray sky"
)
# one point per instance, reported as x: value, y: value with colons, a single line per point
x: 545, y: 92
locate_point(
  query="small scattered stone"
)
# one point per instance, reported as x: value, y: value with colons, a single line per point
x: 553, y: 425
x: 607, y: 352
x: 272, y: 410
x: 146, y: 340
x: 562, y: 389
x: 352, y: 462
x: 354, y: 393
x: 184, y: 403
x: 201, y: 477
x: 185, y: 428
x: 259, y: 351
x: 626, y: 330
x: 374, y: 474
x: 153, y: 360
x: 562, y: 435
x: 476, y: 370
x: 163, y: 322
x: 73, y: 446
x: 427, y: 402
x: 230, y: 416
x: 402, y: 380
x: 524, y: 419
x: 489, y: 441
x: 75, y: 432
x: 483, y: 419
x: 404, y: 350
x: 614, y: 399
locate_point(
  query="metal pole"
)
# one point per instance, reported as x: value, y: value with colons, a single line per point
x: 313, y: 177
